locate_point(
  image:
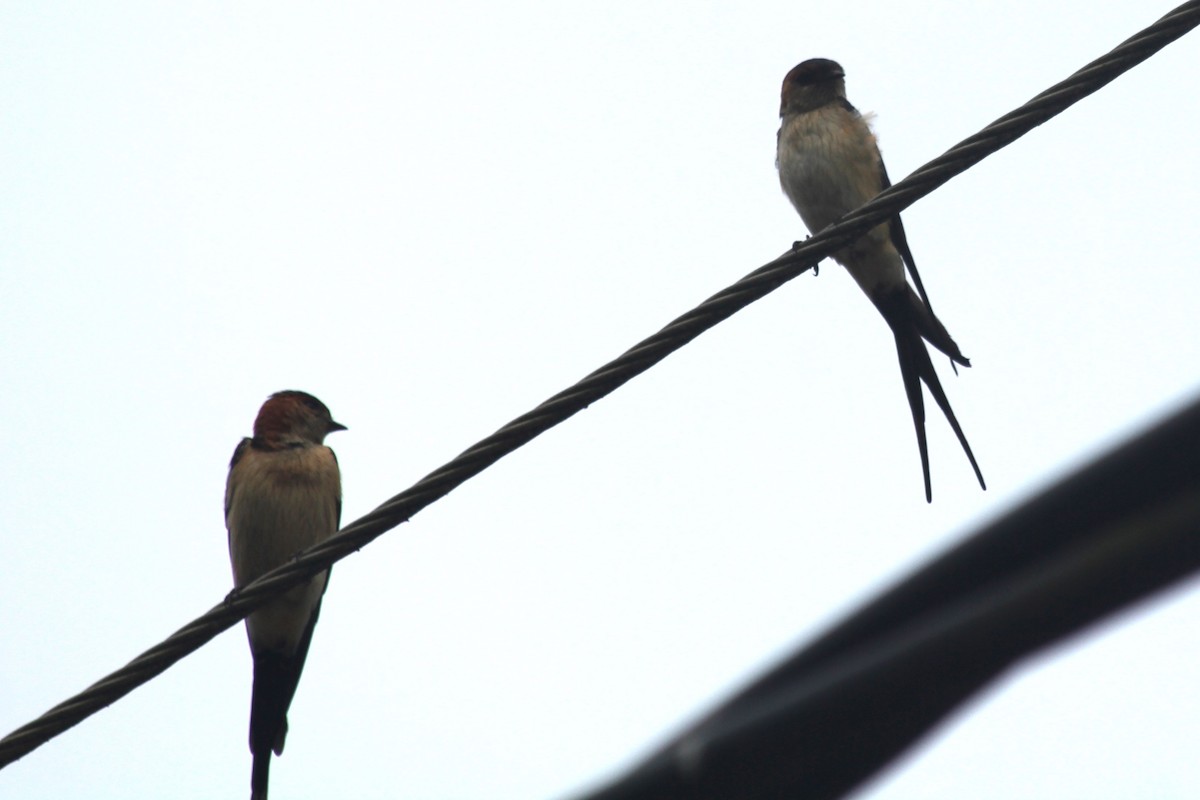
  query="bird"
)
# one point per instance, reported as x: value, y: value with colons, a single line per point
x: 829, y: 164
x: 284, y: 494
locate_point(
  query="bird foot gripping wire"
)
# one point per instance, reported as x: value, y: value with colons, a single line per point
x: 796, y: 245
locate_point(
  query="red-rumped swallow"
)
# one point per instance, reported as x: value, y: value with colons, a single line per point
x: 284, y: 494
x: 829, y: 164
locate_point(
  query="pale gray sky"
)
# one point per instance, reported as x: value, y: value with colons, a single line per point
x: 434, y: 216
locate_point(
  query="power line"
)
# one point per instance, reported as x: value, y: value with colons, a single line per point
x: 601, y: 382
x: 842, y: 707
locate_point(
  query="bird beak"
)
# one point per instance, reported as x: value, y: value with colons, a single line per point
x: 336, y: 426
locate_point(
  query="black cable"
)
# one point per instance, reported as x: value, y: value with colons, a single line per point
x: 840, y: 709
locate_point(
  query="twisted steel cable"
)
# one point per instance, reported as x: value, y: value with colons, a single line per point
x: 601, y: 382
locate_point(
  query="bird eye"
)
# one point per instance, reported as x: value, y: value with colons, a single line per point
x: 316, y: 406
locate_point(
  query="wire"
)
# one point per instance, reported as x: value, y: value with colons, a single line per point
x: 601, y: 382
x: 838, y: 710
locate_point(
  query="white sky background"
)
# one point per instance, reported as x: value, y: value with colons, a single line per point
x: 433, y: 217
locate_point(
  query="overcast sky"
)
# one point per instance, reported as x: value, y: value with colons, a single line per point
x: 433, y: 216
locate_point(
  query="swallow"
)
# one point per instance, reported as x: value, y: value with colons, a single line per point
x: 283, y: 495
x: 829, y: 164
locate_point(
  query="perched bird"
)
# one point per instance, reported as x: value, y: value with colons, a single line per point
x: 829, y: 165
x: 284, y: 494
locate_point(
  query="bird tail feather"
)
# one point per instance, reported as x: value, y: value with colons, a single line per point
x: 912, y: 324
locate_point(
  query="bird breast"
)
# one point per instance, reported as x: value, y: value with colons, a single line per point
x: 828, y: 164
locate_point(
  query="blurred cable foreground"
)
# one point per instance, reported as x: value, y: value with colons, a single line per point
x: 840, y: 709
